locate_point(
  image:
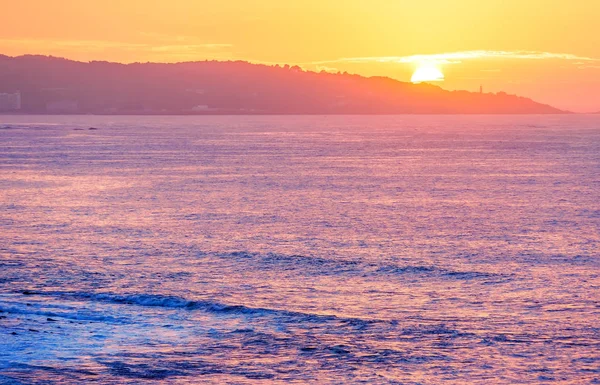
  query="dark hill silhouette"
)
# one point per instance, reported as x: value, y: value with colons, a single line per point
x: 55, y: 85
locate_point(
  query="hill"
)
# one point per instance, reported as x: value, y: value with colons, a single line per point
x: 55, y: 85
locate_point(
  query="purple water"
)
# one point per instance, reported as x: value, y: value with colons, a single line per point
x: 326, y: 250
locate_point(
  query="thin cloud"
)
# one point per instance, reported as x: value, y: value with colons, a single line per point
x: 178, y: 40
x: 85, y: 44
x: 188, y: 47
x: 459, y: 57
x: 327, y: 69
x: 174, y: 50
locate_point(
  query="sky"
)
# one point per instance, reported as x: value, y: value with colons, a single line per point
x: 548, y: 50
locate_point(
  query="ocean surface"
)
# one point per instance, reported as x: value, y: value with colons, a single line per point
x: 286, y: 249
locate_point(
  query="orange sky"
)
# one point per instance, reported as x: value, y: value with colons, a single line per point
x: 545, y: 49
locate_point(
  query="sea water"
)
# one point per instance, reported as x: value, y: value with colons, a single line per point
x: 288, y: 249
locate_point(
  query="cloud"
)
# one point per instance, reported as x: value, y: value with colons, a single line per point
x: 188, y: 47
x: 459, y: 57
x: 84, y: 44
x: 177, y: 49
x: 326, y: 69
x: 585, y: 66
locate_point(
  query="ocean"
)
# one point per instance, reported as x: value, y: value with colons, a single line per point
x: 300, y: 249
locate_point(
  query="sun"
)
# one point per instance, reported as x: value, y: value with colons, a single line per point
x: 427, y: 73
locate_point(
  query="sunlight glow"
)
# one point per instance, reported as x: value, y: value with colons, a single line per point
x: 427, y: 73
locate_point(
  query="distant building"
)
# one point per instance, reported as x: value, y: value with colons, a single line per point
x: 10, y: 102
x: 62, y: 107
x: 481, y: 89
x: 201, y: 108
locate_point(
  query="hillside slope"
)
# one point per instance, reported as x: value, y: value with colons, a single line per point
x: 54, y: 85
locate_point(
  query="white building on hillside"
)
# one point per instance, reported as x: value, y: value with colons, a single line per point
x: 10, y: 102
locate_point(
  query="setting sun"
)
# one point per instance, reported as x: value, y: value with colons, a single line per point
x: 427, y: 73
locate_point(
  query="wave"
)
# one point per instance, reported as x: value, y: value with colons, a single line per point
x: 328, y: 267
x: 68, y: 315
x: 174, y: 302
